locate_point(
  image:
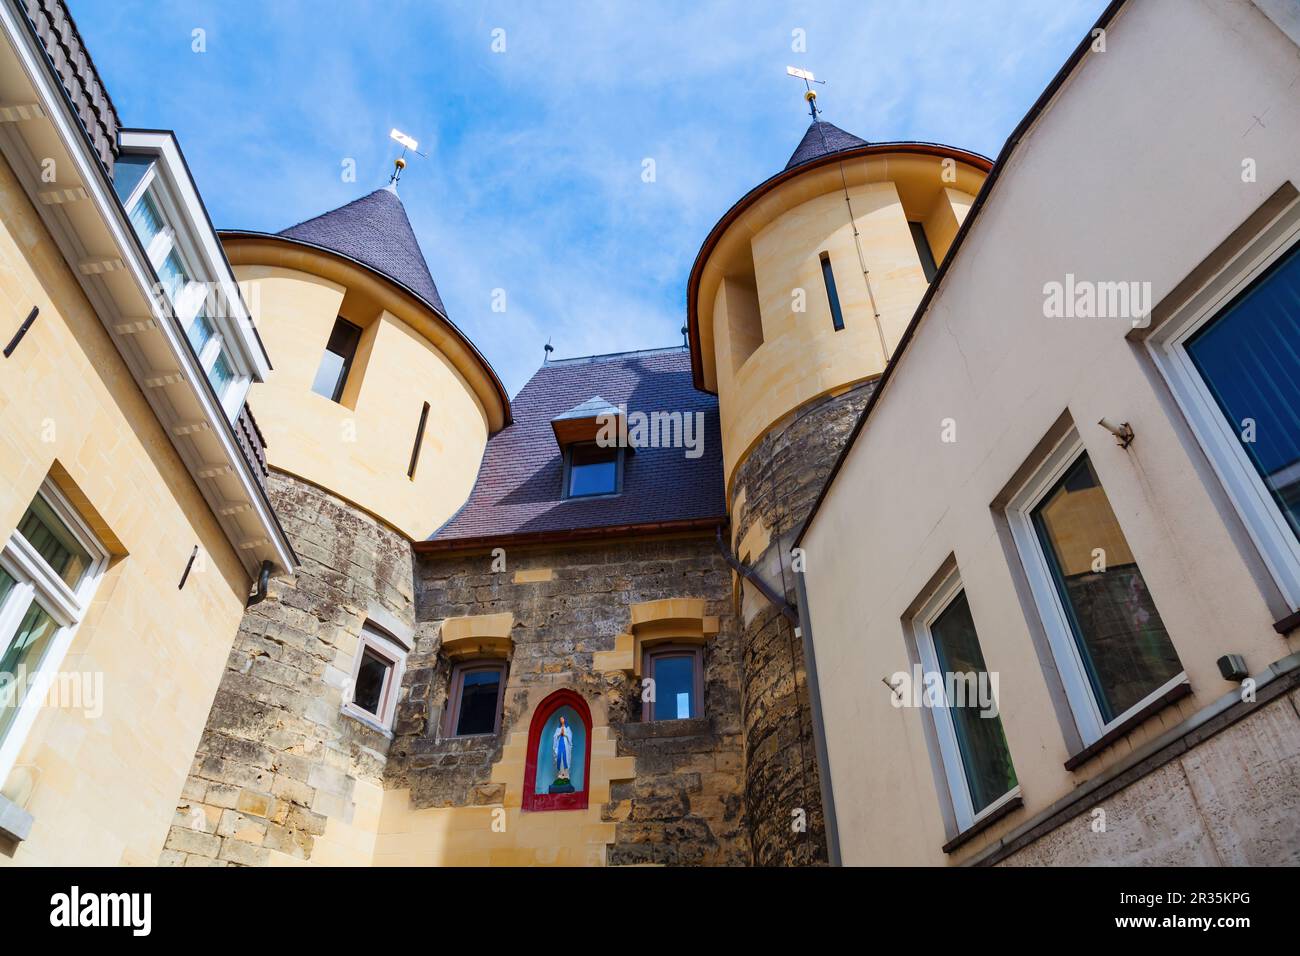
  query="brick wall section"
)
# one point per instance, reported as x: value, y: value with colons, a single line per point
x: 686, y: 804
x: 277, y: 757
x: 779, y: 482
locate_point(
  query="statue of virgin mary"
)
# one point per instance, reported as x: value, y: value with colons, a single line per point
x: 562, y: 749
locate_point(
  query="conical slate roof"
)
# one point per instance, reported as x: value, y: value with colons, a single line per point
x: 375, y: 231
x: 822, y: 139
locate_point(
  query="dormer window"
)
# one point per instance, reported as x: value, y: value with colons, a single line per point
x: 592, y: 470
x: 155, y: 214
x: 591, y: 436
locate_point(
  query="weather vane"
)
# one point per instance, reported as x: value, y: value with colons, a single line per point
x: 808, y: 80
x: 400, y: 162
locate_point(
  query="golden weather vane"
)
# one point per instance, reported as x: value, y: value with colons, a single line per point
x: 809, y: 94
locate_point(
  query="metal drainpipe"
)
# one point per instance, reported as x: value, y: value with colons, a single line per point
x: 750, y: 575
x: 819, y: 728
x: 263, y: 579
x: 803, y: 630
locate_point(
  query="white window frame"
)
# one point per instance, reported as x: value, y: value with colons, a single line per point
x: 191, y: 299
x: 954, y: 767
x: 1264, y: 521
x: 36, y: 580
x: 392, y: 650
x: 1060, y: 635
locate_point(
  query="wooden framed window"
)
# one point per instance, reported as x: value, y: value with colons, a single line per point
x: 376, y: 678
x: 50, y: 567
x: 968, y: 726
x: 677, y: 672
x: 340, y: 350
x: 474, y: 698
x: 590, y: 469
x: 1108, y: 640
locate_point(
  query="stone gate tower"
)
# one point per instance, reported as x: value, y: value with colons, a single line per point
x: 797, y: 299
x: 376, y: 417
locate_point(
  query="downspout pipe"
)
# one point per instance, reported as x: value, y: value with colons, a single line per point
x: 752, y: 576
x: 263, y: 579
x: 818, y: 725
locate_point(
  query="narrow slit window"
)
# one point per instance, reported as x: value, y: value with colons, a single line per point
x: 923, y: 250
x: 832, y: 296
x: 419, y: 440
x: 332, y: 375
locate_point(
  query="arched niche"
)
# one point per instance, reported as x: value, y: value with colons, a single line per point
x: 542, y: 790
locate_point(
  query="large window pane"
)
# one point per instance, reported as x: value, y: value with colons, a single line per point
x: 1249, y: 357
x: 592, y: 470
x: 51, y: 538
x: 478, y: 702
x: 674, y: 678
x: 21, y: 658
x: 1124, y: 646
x: 984, y: 753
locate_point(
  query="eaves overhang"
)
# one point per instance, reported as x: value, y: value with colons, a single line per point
x: 89, y: 224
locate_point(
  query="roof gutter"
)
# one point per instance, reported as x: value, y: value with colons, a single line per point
x: 829, y: 818
x: 986, y: 190
x: 486, y: 542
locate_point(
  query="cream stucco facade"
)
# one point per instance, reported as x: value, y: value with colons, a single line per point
x: 989, y: 384
x: 360, y: 447
x: 767, y: 339
x: 151, y: 654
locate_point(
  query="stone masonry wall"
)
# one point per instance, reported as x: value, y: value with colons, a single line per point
x: 1231, y: 800
x: 685, y: 805
x: 772, y: 492
x: 278, y: 757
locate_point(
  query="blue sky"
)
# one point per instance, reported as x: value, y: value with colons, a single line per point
x: 533, y: 181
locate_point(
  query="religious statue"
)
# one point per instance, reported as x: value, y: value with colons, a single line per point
x: 562, y: 751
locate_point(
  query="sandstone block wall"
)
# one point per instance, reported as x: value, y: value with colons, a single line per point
x: 1232, y: 800
x: 278, y: 758
x: 772, y: 493
x: 685, y: 804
